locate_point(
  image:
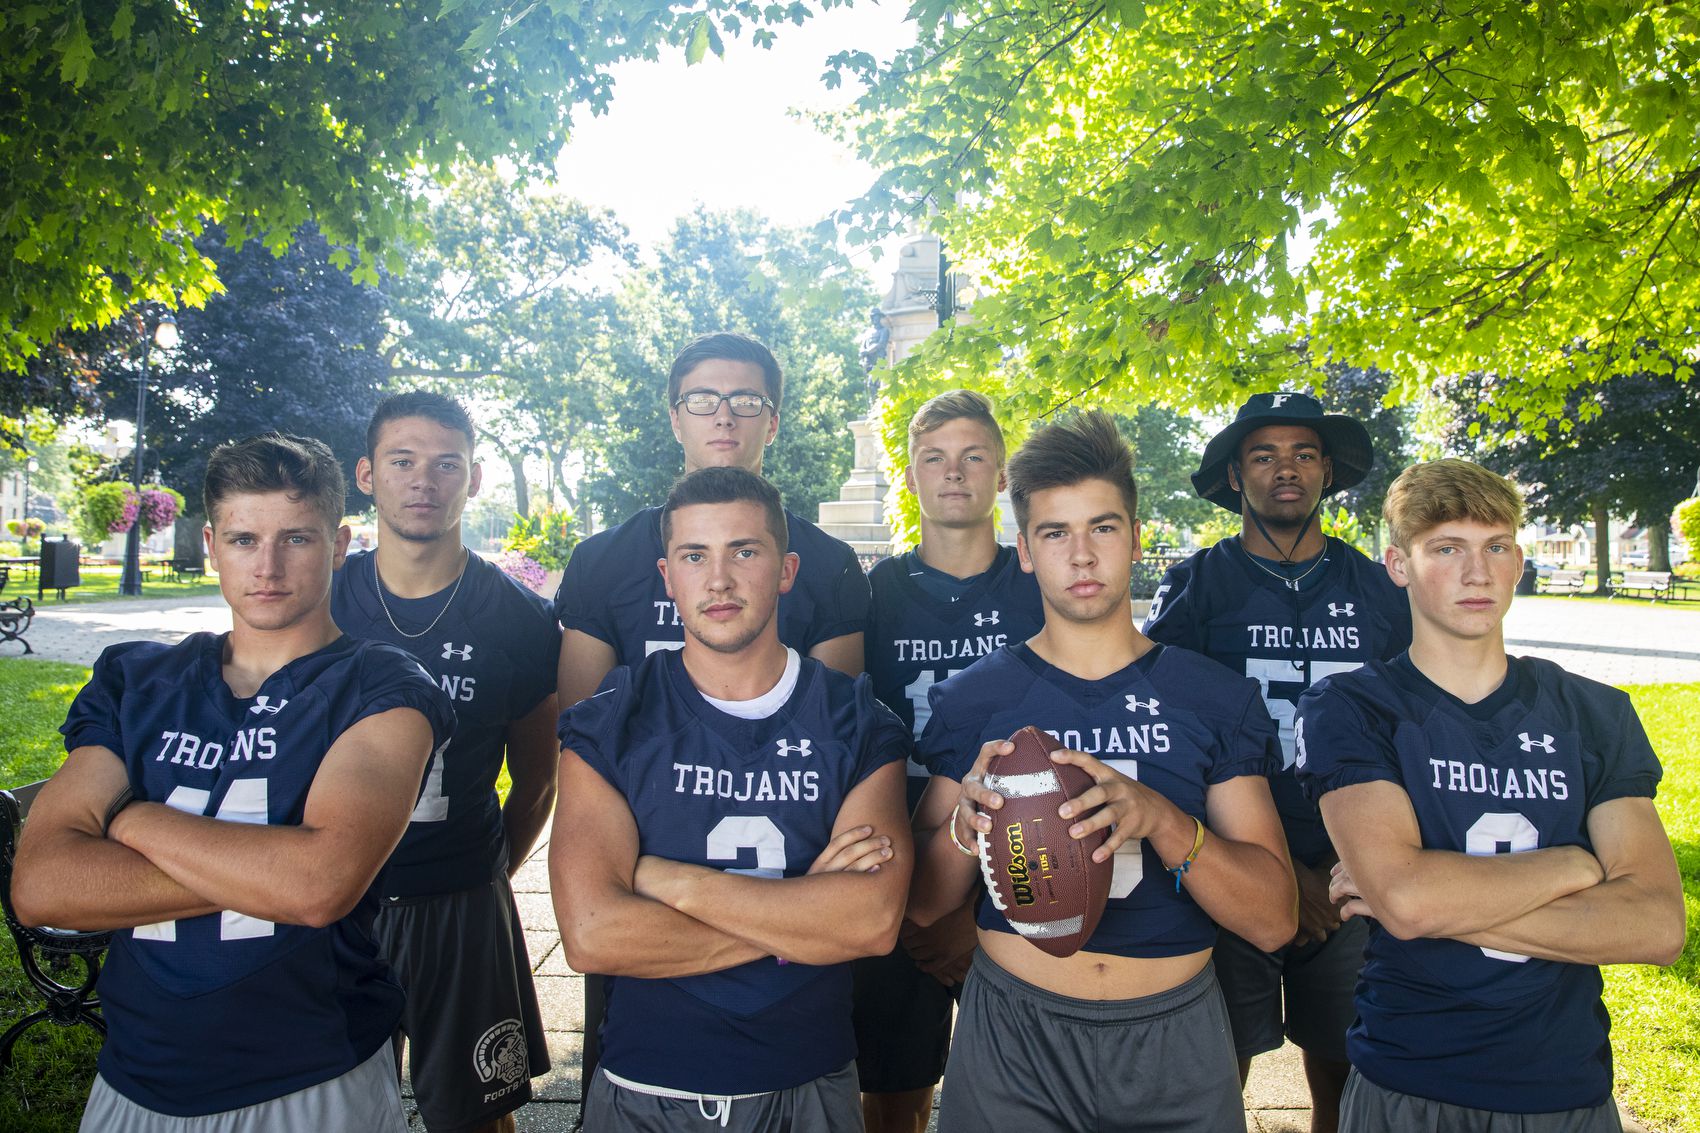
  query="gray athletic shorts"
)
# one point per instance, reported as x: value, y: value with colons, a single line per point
x: 1029, y: 1059
x: 475, y: 1034
x: 364, y: 1100
x: 1368, y: 1108
x: 831, y: 1103
x: 1316, y: 980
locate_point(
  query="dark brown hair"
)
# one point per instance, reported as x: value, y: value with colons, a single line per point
x: 725, y: 486
x: 277, y: 462
x: 1083, y: 447
x: 731, y: 347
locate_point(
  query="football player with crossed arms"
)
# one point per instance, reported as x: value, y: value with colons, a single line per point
x: 1130, y: 1032
x: 1288, y: 605
x: 730, y: 835
x: 225, y: 807
x: 724, y: 393
x: 1495, y: 822
x: 936, y: 609
x: 447, y: 924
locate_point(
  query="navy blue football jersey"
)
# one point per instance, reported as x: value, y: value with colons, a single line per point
x: 493, y: 652
x: 1519, y: 771
x: 226, y: 1010
x: 1226, y: 607
x: 1173, y: 720
x: 756, y: 796
x: 612, y: 590
x: 915, y: 640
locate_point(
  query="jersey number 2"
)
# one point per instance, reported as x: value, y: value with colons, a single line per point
x: 750, y: 832
x: 244, y: 802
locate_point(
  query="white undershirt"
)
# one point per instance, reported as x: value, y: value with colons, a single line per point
x: 768, y: 702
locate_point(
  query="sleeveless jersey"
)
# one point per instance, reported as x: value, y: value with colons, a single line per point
x: 1221, y: 604
x: 612, y: 590
x: 221, y: 1011
x: 758, y: 796
x: 1173, y: 720
x: 915, y: 640
x: 493, y: 652
x: 1519, y: 771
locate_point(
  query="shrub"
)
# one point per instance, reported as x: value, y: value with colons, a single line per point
x: 522, y: 568
x: 547, y: 536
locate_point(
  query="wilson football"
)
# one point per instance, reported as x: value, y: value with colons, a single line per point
x: 1043, y: 881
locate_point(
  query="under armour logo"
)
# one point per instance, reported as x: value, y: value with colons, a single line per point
x: 264, y: 704
x: 1544, y: 743
x: 1134, y: 704
x: 1344, y: 610
x: 990, y: 619
x: 464, y: 653
x: 801, y: 748
x: 1277, y: 400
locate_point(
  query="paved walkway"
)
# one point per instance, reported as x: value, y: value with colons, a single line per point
x: 1622, y: 642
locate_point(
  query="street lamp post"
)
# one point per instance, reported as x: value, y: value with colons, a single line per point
x: 164, y: 336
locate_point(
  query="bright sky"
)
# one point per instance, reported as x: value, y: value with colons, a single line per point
x: 725, y: 131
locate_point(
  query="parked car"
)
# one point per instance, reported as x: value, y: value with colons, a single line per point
x: 1636, y: 559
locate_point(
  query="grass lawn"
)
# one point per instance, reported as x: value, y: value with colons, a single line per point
x: 100, y: 584
x: 1655, y: 1012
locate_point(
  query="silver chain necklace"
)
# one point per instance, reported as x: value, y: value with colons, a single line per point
x: 1291, y: 583
x: 378, y: 582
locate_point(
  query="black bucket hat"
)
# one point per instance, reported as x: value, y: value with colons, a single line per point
x: 1344, y: 440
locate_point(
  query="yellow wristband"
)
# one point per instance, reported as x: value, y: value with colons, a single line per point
x: 1197, y: 844
x: 957, y: 842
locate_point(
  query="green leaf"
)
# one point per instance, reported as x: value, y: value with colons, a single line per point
x: 697, y: 48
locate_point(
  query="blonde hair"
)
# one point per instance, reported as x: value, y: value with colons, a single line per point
x: 950, y: 406
x: 1441, y: 491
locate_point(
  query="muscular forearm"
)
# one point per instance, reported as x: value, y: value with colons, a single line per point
x: 618, y: 933
x: 1614, y: 922
x: 83, y: 881
x: 289, y: 874
x: 1441, y: 893
x: 1241, y: 886
x: 945, y: 877
x: 523, y: 818
x: 784, y: 917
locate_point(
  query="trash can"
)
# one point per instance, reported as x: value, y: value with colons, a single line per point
x: 1526, y: 584
x: 61, y: 566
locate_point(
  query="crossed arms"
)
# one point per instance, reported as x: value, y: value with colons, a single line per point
x: 158, y: 864
x: 1620, y: 904
x: 626, y: 914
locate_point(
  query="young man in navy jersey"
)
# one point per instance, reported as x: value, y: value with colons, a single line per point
x: 1495, y: 820
x: 447, y: 923
x: 1287, y: 605
x: 1128, y: 1033
x: 723, y: 396
x: 936, y: 609
x: 730, y: 835
x: 226, y: 805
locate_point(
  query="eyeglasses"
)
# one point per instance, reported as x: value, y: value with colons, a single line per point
x: 705, y: 403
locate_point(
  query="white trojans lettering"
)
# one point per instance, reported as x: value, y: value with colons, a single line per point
x: 921, y: 649
x: 1315, y: 637
x: 190, y: 750
x: 458, y: 688
x: 1514, y: 783
x: 762, y: 786
x: 1131, y: 739
x: 666, y: 614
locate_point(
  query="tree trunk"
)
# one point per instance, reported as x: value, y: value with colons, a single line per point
x: 1658, y: 546
x: 522, y: 493
x: 1602, y: 547
x: 186, y: 541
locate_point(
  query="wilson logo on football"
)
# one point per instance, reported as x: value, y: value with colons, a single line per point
x: 1020, y: 882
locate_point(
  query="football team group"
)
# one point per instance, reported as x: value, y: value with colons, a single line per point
x: 1334, y: 810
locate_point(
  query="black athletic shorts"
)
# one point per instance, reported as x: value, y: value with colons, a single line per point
x: 1304, y: 992
x: 474, y: 1031
x: 902, y: 1018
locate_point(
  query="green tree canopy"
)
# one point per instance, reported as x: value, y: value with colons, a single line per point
x: 501, y: 306
x: 1629, y: 446
x: 735, y: 271
x: 128, y: 124
x: 1488, y: 186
